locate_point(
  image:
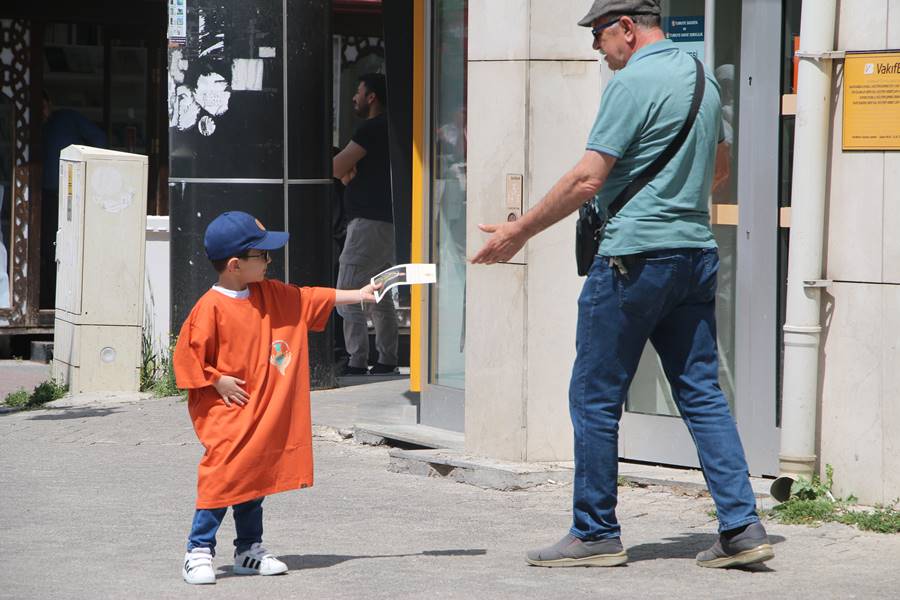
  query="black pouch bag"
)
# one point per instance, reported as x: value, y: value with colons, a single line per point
x: 587, y: 237
x: 589, y: 228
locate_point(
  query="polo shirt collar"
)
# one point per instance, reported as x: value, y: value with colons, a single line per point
x: 654, y: 48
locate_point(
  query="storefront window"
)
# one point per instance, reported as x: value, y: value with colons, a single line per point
x: 448, y: 192
x: 7, y: 161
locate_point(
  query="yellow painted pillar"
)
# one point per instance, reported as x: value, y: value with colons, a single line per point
x: 417, y: 253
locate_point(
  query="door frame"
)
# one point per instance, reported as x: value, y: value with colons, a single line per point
x: 756, y: 321
x: 440, y: 406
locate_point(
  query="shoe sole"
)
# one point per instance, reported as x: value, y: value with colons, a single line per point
x: 759, y: 554
x: 188, y: 581
x: 598, y: 560
x: 246, y: 571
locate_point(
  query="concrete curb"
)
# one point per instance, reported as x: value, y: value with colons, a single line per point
x: 415, y: 435
x: 77, y: 400
x: 513, y: 476
x: 477, y: 471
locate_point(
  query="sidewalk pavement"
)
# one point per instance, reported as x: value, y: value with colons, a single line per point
x: 21, y: 375
x: 98, y: 496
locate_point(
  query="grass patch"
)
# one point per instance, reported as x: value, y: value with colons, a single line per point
x: 813, y: 503
x: 882, y: 519
x: 797, y: 511
x: 44, y: 392
x: 157, y: 370
x: 17, y: 398
x: 48, y: 391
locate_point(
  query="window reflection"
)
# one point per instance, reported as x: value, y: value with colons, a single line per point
x: 7, y: 162
x: 448, y: 192
x: 685, y: 23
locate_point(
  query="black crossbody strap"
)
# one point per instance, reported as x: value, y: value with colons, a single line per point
x: 671, y: 150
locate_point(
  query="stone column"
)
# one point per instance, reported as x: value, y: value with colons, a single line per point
x: 534, y: 87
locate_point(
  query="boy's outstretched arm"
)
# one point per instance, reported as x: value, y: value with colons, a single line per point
x: 364, y: 294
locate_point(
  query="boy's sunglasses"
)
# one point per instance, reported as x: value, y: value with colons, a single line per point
x: 263, y: 254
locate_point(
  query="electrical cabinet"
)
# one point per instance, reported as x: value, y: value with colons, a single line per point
x: 100, y: 269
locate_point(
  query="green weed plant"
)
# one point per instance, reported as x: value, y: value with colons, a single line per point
x: 17, y: 398
x: 44, y: 392
x: 813, y: 503
x: 157, y: 369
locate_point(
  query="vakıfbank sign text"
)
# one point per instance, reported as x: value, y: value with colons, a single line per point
x: 872, y: 101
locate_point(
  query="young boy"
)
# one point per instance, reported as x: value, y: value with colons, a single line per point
x: 242, y: 356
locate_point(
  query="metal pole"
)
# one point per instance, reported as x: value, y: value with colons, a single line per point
x: 802, y: 328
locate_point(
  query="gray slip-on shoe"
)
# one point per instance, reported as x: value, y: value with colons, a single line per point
x: 746, y: 547
x: 573, y: 552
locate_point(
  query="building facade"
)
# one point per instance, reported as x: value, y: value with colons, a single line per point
x: 499, y: 96
x: 532, y: 87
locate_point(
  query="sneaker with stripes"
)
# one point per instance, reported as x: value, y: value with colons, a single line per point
x: 257, y: 561
x: 197, y: 568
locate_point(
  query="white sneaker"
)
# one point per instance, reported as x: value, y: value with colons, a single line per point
x: 198, y: 567
x: 257, y: 561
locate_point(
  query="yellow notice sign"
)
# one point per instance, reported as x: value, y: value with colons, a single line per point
x: 872, y: 101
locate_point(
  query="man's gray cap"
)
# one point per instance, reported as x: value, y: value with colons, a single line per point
x: 619, y: 7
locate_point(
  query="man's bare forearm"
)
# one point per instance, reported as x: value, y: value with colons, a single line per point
x: 573, y: 189
x: 570, y: 192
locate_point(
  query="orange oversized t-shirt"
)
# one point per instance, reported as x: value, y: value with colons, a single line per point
x: 264, y: 447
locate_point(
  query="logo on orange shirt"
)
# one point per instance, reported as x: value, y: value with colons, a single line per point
x: 281, y: 355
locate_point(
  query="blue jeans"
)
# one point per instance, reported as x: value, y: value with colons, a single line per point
x: 667, y: 297
x: 247, y: 525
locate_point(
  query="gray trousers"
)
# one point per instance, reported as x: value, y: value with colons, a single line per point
x: 369, y: 249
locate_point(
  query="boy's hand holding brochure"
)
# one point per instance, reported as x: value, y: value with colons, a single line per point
x: 408, y: 274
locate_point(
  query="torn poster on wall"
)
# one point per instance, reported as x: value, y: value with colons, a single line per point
x: 211, y: 64
x: 177, y: 21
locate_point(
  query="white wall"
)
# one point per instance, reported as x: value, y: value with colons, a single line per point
x: 860, y: 394
x: 533, y: 92
x: 156, y: 287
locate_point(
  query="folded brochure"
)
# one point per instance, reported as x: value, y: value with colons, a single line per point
x: 403, y: 275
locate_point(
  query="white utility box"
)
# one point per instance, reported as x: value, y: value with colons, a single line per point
x: 100, y: 269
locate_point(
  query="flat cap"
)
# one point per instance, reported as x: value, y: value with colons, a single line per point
x: 619, y: 7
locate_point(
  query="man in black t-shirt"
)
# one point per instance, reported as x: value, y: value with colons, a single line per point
x: 364, y: 167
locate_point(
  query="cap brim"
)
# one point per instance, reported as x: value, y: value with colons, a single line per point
x: 588, y: 19
x: 272, y: 241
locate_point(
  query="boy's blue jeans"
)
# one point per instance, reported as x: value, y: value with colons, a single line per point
x: 247, y: 525
x: 667, y: 297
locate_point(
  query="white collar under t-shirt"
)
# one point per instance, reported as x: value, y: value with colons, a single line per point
x: 237, y: 294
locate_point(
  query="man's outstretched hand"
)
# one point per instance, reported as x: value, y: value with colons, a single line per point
x: 506, y: 239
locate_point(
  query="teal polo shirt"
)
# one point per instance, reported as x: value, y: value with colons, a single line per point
x: 642, y: 110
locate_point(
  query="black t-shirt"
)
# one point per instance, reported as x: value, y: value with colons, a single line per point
x: 369, y: 193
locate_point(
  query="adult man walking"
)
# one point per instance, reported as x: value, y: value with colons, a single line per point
x: 654, y: 278
x: 364, y: 166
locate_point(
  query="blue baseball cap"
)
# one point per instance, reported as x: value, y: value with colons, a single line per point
x: 234, y: 232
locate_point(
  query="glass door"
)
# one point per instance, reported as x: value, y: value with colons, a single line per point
x: 443, y: 404
x: 722, y: 34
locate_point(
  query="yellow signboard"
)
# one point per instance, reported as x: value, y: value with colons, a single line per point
x: 872, y: 101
